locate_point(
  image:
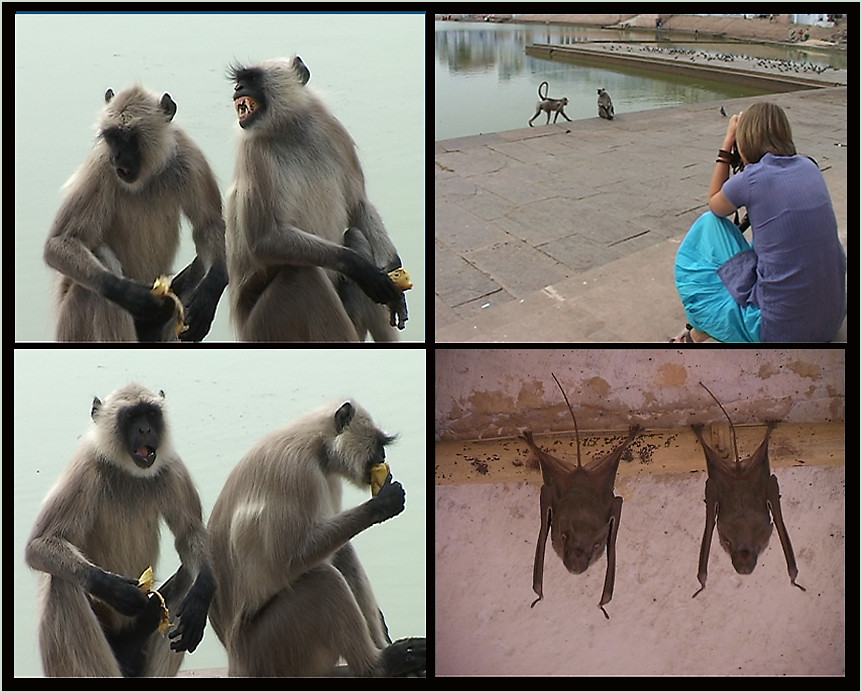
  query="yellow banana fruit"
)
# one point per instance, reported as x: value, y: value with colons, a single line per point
x: 145, y: 584
x: 162, y: 287
x: 401, y: 279
x: 379, y: 473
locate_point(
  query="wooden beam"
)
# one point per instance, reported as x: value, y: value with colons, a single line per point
x: 673, y: 451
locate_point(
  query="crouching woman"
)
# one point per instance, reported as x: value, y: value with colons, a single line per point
x: 789, y: 284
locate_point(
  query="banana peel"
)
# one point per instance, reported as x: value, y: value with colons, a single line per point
x: 162, y: 287
x: 145, y: 584
x: 401, y: 279
x: 379, y: 472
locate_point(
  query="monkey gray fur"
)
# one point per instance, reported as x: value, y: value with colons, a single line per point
x: 606, y: 106
x: 293, y: 596
x: 98, y: 530
x: 554, y: 106
x: 298, y: 185
x: 118, y: 228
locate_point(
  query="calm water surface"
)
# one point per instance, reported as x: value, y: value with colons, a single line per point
x: 360, y: 64
x: 484, y: 82
x: 220, y: 402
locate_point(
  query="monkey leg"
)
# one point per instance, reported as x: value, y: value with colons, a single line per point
x: 299, y: 305
x: 303, y: 630
x: 347, y: 563
x: 84, y: 316
x: 71, y: 639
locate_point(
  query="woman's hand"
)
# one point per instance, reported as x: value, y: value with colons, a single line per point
x: 730, y: 137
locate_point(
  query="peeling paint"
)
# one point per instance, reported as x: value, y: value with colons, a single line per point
x: 806, y: 370
x: 531, y: 395
x: 671, y: 375
x: 598, y: 385
x: 767, y: 370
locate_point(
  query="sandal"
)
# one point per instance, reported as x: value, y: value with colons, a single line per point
x: 685, y: 336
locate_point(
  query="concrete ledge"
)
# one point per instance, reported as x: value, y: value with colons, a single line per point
x: 620, y: 54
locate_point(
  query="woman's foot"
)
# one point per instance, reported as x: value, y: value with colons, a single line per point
x: 691, y: 336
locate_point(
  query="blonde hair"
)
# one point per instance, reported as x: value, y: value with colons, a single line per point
x: 763, y: 127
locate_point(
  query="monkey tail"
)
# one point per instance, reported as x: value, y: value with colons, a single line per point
x: 547, y: 87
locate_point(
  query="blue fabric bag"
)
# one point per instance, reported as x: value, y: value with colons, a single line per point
x: 711, y: 243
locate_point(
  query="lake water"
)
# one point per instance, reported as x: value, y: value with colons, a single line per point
x: 484, y: 82
x: 221, y: 401
x: 369, y: 68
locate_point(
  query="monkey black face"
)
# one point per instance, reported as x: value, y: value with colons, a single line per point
x: 125, y: 147
x: 141, y: 427
x: 249, y: 98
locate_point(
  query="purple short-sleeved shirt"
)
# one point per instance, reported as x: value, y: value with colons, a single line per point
x: 800, y: 267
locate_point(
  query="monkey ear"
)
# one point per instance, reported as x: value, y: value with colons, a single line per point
x: 162, y: 394
x: 301, y: 70
x: 109, y: 95
x: 168, y: 106
x: 97, y: 403
x: 343, y: 416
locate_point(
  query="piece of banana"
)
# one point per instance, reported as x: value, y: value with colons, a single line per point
x: 379, y: 472
x: 145, y: 584
x: 162, y: 287
x: 401, y: 279
x: 147, y: 580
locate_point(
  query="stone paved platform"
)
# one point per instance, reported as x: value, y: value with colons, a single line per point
x: 568, y: 232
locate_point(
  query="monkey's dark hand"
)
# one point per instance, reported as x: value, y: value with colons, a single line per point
x: 372, y: 280
x: 137, y: 298
x: 405, y: 656
x: 398, y: 312
x: 192, y: 613
x: 389, y: 502
x: 116, y: 591
x: 201, y: 306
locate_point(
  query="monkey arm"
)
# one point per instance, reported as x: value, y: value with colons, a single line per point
x: 325, y: 537
x: 53, y: 546
x: 182, y: 512
x: 290, y: 245
x: 199, y: 290
x: 78, y: 232
x: 355, y: 239
x: 200, y: 285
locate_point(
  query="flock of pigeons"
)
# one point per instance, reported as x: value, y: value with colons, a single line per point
x: 766, y: 63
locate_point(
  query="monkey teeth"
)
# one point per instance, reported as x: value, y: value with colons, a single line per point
x: 144, y: 456
x: 245, y: 106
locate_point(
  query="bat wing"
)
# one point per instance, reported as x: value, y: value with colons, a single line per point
x: 773, y: 499
x: 546, y: 502
x: 604, y: 470
x: 555, y: 472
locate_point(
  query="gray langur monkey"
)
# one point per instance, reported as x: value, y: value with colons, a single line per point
x: 118, y: 228
x: 296, y: 274
x: 292, y: 595
x: 549, y: 105
x: 606, y: 106
x: 98, y: 530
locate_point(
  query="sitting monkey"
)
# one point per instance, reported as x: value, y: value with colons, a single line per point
x: 606, y: 106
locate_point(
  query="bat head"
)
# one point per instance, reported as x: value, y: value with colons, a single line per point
x: 578, y: 537
x: 744, y: 541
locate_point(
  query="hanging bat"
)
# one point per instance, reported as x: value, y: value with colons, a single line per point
x: 580, y: 510
x: 740, y: 495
